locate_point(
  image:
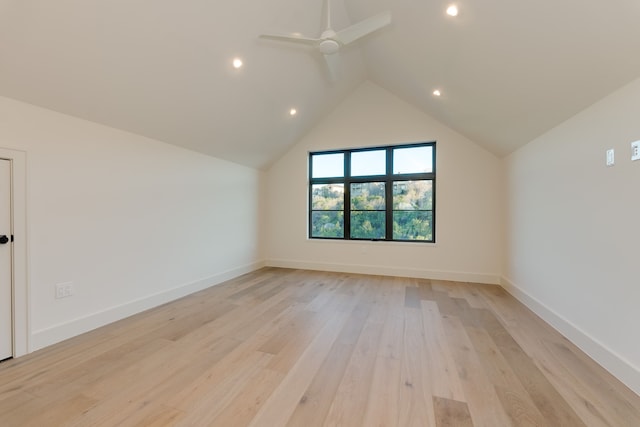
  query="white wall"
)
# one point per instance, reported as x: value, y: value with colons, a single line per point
x: 573, y: 239
x: 130, y: 221
x: 468, y: 197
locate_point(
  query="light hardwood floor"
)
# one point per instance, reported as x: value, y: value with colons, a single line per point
x: 298, y: 348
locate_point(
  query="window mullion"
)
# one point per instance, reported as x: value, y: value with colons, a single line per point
x: 347, y: 195
x: 389, y: 196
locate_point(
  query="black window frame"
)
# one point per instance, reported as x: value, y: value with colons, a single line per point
x: 388, y: 178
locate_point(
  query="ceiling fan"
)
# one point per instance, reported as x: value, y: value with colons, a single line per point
x: 330, y: 41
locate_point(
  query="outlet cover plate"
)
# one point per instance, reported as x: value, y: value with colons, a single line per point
x: 611, y: 159
x: 635, y: 150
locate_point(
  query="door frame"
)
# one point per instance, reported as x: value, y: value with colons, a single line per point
x: 21, y: 336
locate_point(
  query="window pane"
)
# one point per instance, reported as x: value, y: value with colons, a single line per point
x: 327, y: 165
x: 327, y: 197
x: 413, y: 160
x: 412, y: 195
x: 367, y: 225
x: 327, y: 224
x: 365, y: 163
x: 416, y: 225
x: 367, y: 196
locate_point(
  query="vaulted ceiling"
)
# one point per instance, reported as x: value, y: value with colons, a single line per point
x: 508, y: 70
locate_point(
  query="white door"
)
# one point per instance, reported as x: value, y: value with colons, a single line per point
x: 6, y: 328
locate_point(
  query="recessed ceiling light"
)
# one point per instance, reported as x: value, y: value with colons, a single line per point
x: 437, y: 92
x: 452, y: 10
x: 293, y: 112
x: 237, y: 63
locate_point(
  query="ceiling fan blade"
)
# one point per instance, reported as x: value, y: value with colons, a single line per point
x: 327, y: 9
x: 291, y: 38
x: 362, y: 28
x: 333, y: 65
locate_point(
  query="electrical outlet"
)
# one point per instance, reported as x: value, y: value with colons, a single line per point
x: 64, y: 290
x: 635, y: 150
x: 68, y: 289
x: 59, y: 291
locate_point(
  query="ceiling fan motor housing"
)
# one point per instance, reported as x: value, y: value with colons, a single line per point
x: 328, y: 47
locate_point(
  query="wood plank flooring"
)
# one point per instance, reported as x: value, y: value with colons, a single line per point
x: 299, y: 348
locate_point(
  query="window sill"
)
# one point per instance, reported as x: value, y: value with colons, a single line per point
x: 373, y: 242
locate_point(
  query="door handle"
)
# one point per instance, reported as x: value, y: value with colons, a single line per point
x: 4, y: 240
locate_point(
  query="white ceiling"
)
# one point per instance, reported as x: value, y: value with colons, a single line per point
x: 508, y: 70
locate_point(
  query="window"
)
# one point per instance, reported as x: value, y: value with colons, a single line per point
x: 378, y: 193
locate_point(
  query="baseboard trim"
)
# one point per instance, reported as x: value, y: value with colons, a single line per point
x: 605, y: 357
x: 387, y: 271
x: 57, y: 333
